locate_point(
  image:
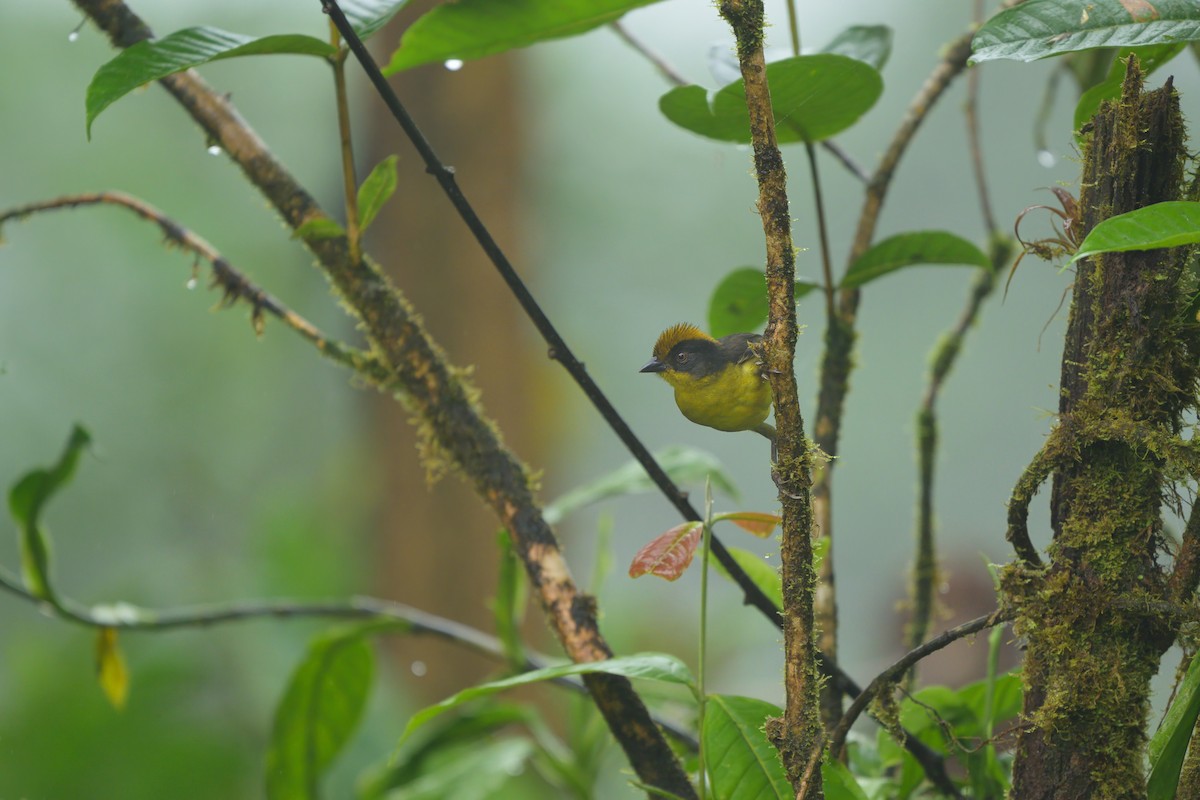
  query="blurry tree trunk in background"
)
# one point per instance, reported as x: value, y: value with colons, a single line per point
x: 436, y: 545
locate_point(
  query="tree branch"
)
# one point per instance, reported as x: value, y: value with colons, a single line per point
x: 452, y: 426
x: 799, y: 735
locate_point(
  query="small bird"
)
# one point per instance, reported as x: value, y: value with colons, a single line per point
x: 718, y: 383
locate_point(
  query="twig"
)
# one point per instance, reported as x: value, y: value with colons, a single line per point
x: 837, y: 741
x: 234, y: 284
x: 137, y: 619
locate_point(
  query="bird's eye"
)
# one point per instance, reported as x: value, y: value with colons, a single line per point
x: 682, y: 358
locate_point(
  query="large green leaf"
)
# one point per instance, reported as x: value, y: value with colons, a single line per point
x: 742, y: 764
x: 651, y: 666
x: 471, y: 29
x: 682, y: 464
x: 477, y: 771
x: 739, y: 303
x: 157, y: 58
x: 424, y: 753
x: 839, y: 782
x: 1149, y: 58
x: 813, y: 97
x: 320, y: 709
x: 1040, y: 28
x: 1170, y: 744
x: 908, y: 249
x: 1168, y: 224
x: 28, y: 497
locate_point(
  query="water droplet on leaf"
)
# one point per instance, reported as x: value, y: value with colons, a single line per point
x: 454, y: 64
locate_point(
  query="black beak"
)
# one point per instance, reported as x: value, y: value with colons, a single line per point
x: 654, y: 365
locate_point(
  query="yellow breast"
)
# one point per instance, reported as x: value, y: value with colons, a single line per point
x: 735, y: 399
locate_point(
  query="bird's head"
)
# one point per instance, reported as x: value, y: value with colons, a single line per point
x: 684, y: 351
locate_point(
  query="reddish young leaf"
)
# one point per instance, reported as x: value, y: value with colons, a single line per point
x: 758, y: 523
x: 668, y: 555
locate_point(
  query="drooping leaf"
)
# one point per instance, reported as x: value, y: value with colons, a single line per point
x: 739, y: 303
x: 27, y: 498
x: 758, y: 523
x: 1169, y: 224
x: 761, y: 573
x: 319, y: 228
x: 669, y: 554
x: 319, y: 711
x: 1040, y: 28
x: 111, y: 672
x: 375, y: 191
x: 471, y: 29
x: 741, y: 763
x: 650, y: 666
x: 682, y: 464
x: 368, y: 16
x: 908, y: 249
x: 1169, y: 746
x: 157, y: 58
x: 870, y: 44
x: 813, y: 97
x: 1149, y: 59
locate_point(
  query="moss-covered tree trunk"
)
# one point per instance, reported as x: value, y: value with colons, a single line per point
x: 1128, y: 374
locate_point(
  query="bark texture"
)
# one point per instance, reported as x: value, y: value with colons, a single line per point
x: 1128, y: 374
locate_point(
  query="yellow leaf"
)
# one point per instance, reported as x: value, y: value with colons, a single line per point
x: 111, y: 671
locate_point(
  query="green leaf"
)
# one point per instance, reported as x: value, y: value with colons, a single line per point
x: 471, y: 29
x: 319, y: 228
x: 1168, y: 224
x: 682, y: 464
x: 651, y: 666
x: 1149, y: 59
x: 813, y: 97
x: 478, y: 771
x: 27, y: 498
x: 907, y: 249
x: 368, y: 16
x: 427, y: 751
x: 508, y: 604
x: 319, y: 711
x: 375, y: 191
x: 1169, y: 746
x: 839, y: 782
x: 157, y: 58
x: 761, y: 574
x: 739, y: 303
x: 1040, y: 28
x: 741, y: 763
x: 870, y: 44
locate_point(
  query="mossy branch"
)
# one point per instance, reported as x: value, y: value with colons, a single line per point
x: 452, y: 423
x: 799, y: 734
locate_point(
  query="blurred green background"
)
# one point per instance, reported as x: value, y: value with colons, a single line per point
x: 228, y: 466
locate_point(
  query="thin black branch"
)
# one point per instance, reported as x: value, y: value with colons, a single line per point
x: 558, y: 348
